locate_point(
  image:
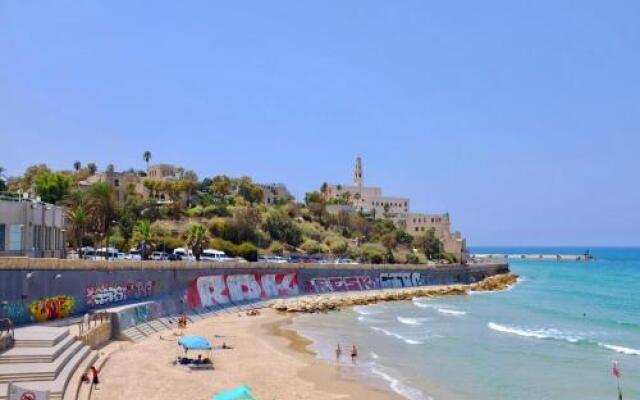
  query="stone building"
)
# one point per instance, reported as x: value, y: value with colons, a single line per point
x: 370, y: 200
x: 272, y: 193
x: 31, y: 228
x: 133, y: 182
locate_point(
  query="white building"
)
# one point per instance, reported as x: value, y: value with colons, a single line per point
x: 31, y: 228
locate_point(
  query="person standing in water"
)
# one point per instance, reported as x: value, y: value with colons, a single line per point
x: 338, y: 352
x: 354, y: 353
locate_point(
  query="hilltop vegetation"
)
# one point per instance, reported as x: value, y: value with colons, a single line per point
x: 221, y: 212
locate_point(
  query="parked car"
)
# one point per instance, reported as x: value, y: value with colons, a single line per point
x: 272, y: 259
x: 88, y: 253
x: 346, y: 261
x: 101, y: 253
x: 159, y: 255
x: 181, y: 253
x: 133, y: 255
x: 214, y: 255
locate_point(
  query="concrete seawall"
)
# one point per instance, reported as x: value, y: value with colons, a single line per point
x: 41, y: 290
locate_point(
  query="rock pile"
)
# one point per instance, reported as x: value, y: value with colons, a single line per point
x: 333, y: 301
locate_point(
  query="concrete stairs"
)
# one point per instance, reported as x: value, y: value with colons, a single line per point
x: 45, y: 358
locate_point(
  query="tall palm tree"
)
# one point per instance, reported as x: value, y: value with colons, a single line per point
x: 146, y: 156
x: 196, y: 238
x: 77, y: 165
x: 93, y: 168
x: 102, y: 206
x: 77, y: 217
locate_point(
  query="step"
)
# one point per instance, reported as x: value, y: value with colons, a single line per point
x: 39, y: 336
x: 57, y: 386
x: 84, y: 392
x: 21, y: 372
x: 75, y: 385
x: 35, y: 354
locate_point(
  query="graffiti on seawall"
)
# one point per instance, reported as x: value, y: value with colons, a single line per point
x: 207, y: 291
x: 400, y: 279
x: 115, y: 293
x: 49, y: 308
x: 15, y: 311
x: 339, y: 284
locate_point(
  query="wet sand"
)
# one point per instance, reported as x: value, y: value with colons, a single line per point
x: 267, y: 356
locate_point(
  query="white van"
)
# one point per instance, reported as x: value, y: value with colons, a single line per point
x: 214, y: 255
x: 88, y: 253
x: 133, y: 255
x: 102, y: 253
x: 184, y: 254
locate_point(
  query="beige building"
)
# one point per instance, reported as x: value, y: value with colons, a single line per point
x: 31, y: 228
x: 129, y: 181
x: 370, y: 200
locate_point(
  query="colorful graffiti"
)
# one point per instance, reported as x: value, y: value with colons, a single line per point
x: 400, y: 279
x: 49, y: 308
x: 15, y: 311
x: 340, y: 284
x: 207, y: 291
x: 115, y: 293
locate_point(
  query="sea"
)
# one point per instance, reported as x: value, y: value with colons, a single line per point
x: 554, y: 335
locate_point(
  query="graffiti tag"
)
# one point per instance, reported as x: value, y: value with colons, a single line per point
x: 207, y: 291
x: 107, y: 294
x: 400, y: 279
x: 339, y: 284
x: 50, y: 308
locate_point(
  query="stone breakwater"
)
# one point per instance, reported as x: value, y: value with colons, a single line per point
x: 324, y: 303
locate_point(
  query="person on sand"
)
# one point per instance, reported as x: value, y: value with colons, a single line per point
x: 338, y: 352
x: 95, y: 382
x: 354, y: 353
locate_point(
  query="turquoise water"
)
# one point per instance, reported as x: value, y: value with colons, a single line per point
x: 553, y: 336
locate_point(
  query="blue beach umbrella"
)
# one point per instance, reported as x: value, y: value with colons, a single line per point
x: 240, y: 393
x: 194, y: 343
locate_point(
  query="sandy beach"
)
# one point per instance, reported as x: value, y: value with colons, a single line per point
x: 266, y: 356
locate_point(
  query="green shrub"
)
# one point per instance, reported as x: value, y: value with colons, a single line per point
x: 311, y: 246
x: 276, y: 248
x: 247, y: 251
x: 449, y: 257
x: 224, y: 245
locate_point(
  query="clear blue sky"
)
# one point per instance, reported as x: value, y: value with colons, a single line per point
x: 522, y: 119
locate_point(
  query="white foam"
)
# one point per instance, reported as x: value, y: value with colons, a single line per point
x: 535, y: 333
x: 400, y: 388
x: 620, y: 349
x: 365, y: 310
x: 396, y: 335
x: 374, y: 355
x: 411, y: 321
x: 368, y: 320
x: 449, y: 311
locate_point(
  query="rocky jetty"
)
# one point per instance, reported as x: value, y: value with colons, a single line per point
x: 337, y: 301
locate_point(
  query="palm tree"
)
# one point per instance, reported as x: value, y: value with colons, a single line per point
x: 102, y: 206
x: 146, y: 156
x: 77, y: 217
x: 196, y: 238
x: 143, y: 233
x: 93, y: 168
x: 324, y: 189
x: 77, y: 165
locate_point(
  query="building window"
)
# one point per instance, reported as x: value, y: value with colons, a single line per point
x: 15, y: 238
x: 417, y: 229
x: 116, y: 183
x: 423, y: 229
x: 2, y: 228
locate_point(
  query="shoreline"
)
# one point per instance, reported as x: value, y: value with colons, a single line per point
x: 269, y: 355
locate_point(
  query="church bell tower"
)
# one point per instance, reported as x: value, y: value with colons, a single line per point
x: 357, y: 173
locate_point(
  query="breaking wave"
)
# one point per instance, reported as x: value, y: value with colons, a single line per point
x: 449, y: 311
x: 400, y: 388
x: 411, y: 321
x: 365, y: 310
x: 396, y: 335
x: 554, y: 334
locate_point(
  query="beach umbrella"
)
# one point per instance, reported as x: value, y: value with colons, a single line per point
x: 194, y: 343
x: 240, y: 393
